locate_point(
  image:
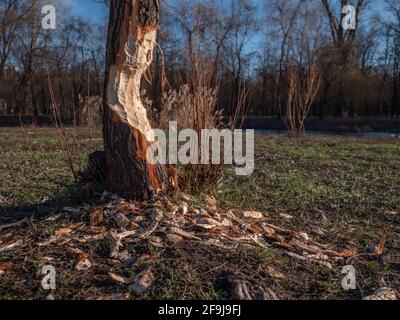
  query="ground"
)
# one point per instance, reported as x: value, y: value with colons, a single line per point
x: 341, y: 191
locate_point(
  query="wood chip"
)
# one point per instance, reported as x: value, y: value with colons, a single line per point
x: 210, y: 201
x: 72, y: 210
x: 174, y: 239
x: 114, y: 243
x: 11, y: 225
x: 145, y: 259
x: 253, y: 215
x: 83, y: 264
x: 11, y: 245
x: 184, y: 234
x: 309, y: 259
x: 116, y: 297
x: 274, y: 273
x: 96, y: 217
x: 286, y: 216
x: 383, y: 294
x: 120, y: 279
x: 121, y: 220
x: 206, y: 223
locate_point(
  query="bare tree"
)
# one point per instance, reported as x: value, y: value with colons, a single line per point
x: 287, y: 14
x: 301, y: 91
x: 342, y: 38
x: 13, y: 14
x: 301, y: 77
x: 393, y: 28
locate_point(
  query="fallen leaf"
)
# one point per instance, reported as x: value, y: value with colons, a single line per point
x: 186, y: 197
x: 65, y: 231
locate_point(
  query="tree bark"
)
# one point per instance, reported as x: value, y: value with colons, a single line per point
x: 126, y: 128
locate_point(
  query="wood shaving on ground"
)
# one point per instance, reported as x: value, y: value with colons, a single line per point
x: 131, y: 221
x: 122, y: 223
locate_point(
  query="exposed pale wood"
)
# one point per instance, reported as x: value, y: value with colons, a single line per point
x: 126, y: 128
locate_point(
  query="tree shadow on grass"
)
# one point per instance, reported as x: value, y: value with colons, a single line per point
x: 85, y: 192
x: 70, y: 196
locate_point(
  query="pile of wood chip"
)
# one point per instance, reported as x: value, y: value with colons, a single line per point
x: 124, y: 224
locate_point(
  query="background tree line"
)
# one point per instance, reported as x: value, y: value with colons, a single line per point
x: 247, y: 45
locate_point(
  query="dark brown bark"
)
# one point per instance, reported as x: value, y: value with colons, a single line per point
x: 133, y: 25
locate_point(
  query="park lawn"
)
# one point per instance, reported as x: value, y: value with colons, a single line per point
x: 339, y: 190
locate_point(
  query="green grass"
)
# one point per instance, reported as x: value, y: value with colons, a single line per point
x: 336, y: 175
x: 341, y: 191
x: 33, y: 166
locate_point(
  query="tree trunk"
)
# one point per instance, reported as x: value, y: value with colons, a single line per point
x: 126, y: 128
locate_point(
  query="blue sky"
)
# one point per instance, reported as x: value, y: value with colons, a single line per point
x: 94, y: 11
x: 90, y: 10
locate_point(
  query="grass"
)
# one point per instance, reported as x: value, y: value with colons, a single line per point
x: 340, y: 190
x: 337, y: 175
x: 34, y: 168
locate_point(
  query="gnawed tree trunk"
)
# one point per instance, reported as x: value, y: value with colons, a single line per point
x: 126, y: 128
